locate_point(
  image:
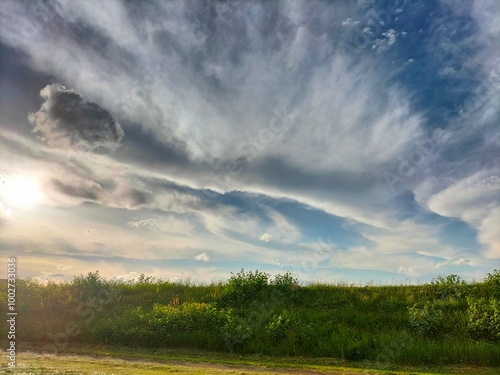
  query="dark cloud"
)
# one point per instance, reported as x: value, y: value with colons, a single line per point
x: 137, y: 197
x: 141, y: 146
x: 67, y: 120
x: 90, y: 192
x: 20, y: 89
x: 278, y: 172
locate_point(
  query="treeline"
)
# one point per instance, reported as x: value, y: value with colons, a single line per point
x: 446, y: 321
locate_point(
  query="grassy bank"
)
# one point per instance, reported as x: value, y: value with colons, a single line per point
x: 447, y: 322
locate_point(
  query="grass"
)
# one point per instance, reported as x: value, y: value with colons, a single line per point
x: 101, y: 360
x: 444, y: 324
x: 86, y: 365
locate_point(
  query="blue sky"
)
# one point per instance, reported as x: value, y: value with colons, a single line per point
x: 353, y: 141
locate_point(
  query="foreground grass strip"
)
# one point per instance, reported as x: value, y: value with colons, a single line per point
x: 249, y: 363
x: 34, y: 364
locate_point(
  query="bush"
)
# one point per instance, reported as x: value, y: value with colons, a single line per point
x: 451, y: 286
x: 484, y: 318
x: 428, y: 320
x: 492, y: 283
x: 187, y: 317
x: 278, y: 327
x: 285, y: 282
x: 236, y: 333
x: 242, y: 288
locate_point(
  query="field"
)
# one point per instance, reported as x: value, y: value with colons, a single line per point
x: 276, y: 322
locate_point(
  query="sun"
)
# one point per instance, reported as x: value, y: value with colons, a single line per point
x: 21, y: 191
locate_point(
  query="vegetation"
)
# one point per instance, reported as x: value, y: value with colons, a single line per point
x: 446, y: 322
x: 114, y: 361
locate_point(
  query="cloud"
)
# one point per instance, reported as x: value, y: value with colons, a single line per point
x: 473, y: 199
x: 90, y: 190
x: 266, y: 237
x: 5, y: 212
x: 62, y: 267
x: 201, y: 99
x: 383, y: 44
x: 455, y: 262
x: 143, y: 223
x: 489, y: 233
x: 349, y: 22
x: 67, y: 120
x: 49, y: 276
x: 203, y: 257
x: 281, y: 229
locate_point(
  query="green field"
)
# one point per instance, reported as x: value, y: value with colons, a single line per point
x: 447, y: 324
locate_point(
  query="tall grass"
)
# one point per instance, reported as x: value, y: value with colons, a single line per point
x: 445, y: 322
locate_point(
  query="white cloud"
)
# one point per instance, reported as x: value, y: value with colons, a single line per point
x: 454, y: 262
x: 203, y: 257
x: 381, y: 45
x: 489, y: 233
x: 266, y: 237
x: 474, y: 199
x: 349, y: 22
x: 143, y: 223
x: 281, y: 230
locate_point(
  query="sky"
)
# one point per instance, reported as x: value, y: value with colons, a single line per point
x: 343, y: 141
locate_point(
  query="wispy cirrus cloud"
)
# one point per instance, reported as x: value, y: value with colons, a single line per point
x: 219, y: 112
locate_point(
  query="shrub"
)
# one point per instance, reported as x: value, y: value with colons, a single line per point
x: 188, y: 316
x: 484, y: 318
x: 428, y: 320
x: 243, y: 287
x: 284, y: 287
x: 285, y: 282
x: 278, y: 327
x: 236, y: 333
x: 451, y: 286
x: 492, y: 283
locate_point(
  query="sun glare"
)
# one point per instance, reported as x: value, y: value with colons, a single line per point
x: 21, y: 191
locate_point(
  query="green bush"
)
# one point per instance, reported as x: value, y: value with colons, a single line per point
x: 236, y: 333
x: 451, y: 286
x: 242, y: 288
x: 484, y: 318
x: 278, y: 327
x: 492, y: 283
x: 428, y: 319
x: 187, y: 317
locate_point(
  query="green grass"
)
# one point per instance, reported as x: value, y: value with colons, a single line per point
x: 445, y: 323
x: 81, y: 359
